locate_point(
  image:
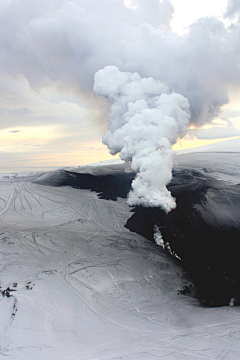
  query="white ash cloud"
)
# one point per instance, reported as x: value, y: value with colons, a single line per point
x: 146, y: 121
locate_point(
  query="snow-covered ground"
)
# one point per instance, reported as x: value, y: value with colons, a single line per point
x: 232, y: 145
x: 221, y: 160
x: 84, y: 287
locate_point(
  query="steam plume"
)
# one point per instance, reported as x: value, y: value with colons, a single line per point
x: 146, y: 121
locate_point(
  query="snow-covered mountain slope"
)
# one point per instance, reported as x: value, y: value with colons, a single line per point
x: 220, y: 160
x: 77, y: 284
x: 232, y: 145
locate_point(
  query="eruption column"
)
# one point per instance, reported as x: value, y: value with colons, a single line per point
x: 146, y: 121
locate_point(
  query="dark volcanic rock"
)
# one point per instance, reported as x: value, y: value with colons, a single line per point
x: 109, y: 187
x: 203, y: 230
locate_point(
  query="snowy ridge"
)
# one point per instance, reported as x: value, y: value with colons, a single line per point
x: 232, y: 145
x: 221, y: 161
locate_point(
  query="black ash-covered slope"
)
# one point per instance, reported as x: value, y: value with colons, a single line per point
x: 203, y: 230
x: 110, y: 182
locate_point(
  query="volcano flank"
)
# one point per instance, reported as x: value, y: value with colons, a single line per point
x: 204, y: 229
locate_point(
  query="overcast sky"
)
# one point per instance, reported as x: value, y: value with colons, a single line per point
x: 51, y: 50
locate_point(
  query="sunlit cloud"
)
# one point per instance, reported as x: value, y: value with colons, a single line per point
x: 188, y: 11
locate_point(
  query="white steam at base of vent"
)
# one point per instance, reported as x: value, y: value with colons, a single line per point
x: 158, y: 236
x: 146, y: 121
x: 159, y: 241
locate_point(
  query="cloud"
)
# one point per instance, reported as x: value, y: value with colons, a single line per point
x: 68, y: 41
x: 229, y: 113
x: 23, y: 106
x: 217, y: 132
x: 233, y: 8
